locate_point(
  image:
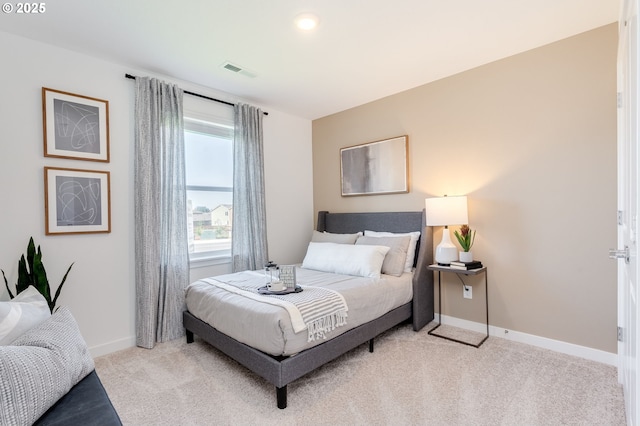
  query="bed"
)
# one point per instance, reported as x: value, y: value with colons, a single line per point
x: 297, y: 357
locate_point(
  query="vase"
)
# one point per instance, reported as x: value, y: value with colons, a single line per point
x: 466, y: 256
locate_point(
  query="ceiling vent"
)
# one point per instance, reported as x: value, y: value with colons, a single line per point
x: 238, y: 69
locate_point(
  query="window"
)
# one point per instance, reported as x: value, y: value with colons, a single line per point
x: 209, y: 176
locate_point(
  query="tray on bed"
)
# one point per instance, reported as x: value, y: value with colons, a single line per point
x: 265, y: 290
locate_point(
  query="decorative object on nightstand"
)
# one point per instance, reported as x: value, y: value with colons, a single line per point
x: 473, y: 264
x: 465, y: 237
x: 445, y: 211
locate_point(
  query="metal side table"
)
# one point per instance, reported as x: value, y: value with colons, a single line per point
x: 440, y: 269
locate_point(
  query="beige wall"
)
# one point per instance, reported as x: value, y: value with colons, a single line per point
x: 531, y: 139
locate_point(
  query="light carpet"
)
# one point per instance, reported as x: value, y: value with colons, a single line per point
x: 412, y: 378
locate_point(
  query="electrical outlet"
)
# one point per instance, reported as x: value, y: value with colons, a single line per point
x: 467, y: 292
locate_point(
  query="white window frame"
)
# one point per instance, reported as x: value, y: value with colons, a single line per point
x: 217, y: 126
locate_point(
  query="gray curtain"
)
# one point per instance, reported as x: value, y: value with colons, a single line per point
x: 249, y: 239
x: 161, y: 252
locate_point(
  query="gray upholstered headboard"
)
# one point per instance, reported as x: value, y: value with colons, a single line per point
x: 347, y: 223
x: 343, y: 223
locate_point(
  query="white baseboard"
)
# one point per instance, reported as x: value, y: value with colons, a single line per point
x: 530, y: 339
x: 502, y: 333
x: 114, y: 346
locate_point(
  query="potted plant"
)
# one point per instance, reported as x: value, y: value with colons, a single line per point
x: 466, y: 238
x: 31, y: 272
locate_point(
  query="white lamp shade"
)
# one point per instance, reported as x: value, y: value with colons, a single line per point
x: 444, y: 211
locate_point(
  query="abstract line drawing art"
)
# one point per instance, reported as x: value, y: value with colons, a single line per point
x: 76, y: 201
x: 75, y: 126
x: 375, y: 168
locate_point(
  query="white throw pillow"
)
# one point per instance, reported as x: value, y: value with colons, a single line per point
x: 411, y: 251
x: 394, y: 261
x: 346, y: 259
x: 328, y: 237
x: 40, y: 367
x: 28, y: 309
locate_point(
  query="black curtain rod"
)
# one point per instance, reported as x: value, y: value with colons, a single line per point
x: 133, y: 77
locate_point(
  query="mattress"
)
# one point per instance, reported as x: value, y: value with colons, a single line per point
x: 268, y: 327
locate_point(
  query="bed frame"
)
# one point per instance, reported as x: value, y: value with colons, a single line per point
x: 281, y: 370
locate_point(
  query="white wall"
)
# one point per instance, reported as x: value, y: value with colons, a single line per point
x: 100, y: 290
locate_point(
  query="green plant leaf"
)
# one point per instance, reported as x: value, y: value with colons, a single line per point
x: 6, y: 284
x: 461, y: 239
x: 40, y: 277
x: 466, y: 241
x: 31, y: 252
x: 24, y: 276
x: 31, y: 271
x: 55, y: 298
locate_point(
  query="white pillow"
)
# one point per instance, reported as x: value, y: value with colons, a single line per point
x: 394, y: 260
x: 28, y: 309
x: 328, y: 237
x: 346, y: 259
x: 40, y: 367
x: 411, y: 251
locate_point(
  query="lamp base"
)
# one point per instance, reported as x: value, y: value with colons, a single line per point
x: 446, y: 251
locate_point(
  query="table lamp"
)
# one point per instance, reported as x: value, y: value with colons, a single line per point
x: 445, y: 211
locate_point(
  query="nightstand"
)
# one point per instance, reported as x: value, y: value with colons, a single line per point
x: 440, y: 269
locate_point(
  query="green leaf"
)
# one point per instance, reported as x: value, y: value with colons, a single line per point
x: 466, y: 241
x: 31, y: 251
x: 55, y: 299
x: 40, y: 277
x: 6, y: 284
x: 24, y: 277
x: 31, y: 271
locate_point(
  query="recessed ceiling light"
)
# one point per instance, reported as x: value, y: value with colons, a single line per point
x: 306, y: 21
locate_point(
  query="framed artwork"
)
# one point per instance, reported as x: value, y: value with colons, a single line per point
x: 76, y: 201
x: 75, y: 126
x: 375, y: 168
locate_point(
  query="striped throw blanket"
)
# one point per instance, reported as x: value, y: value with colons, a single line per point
x: 317, y: 309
